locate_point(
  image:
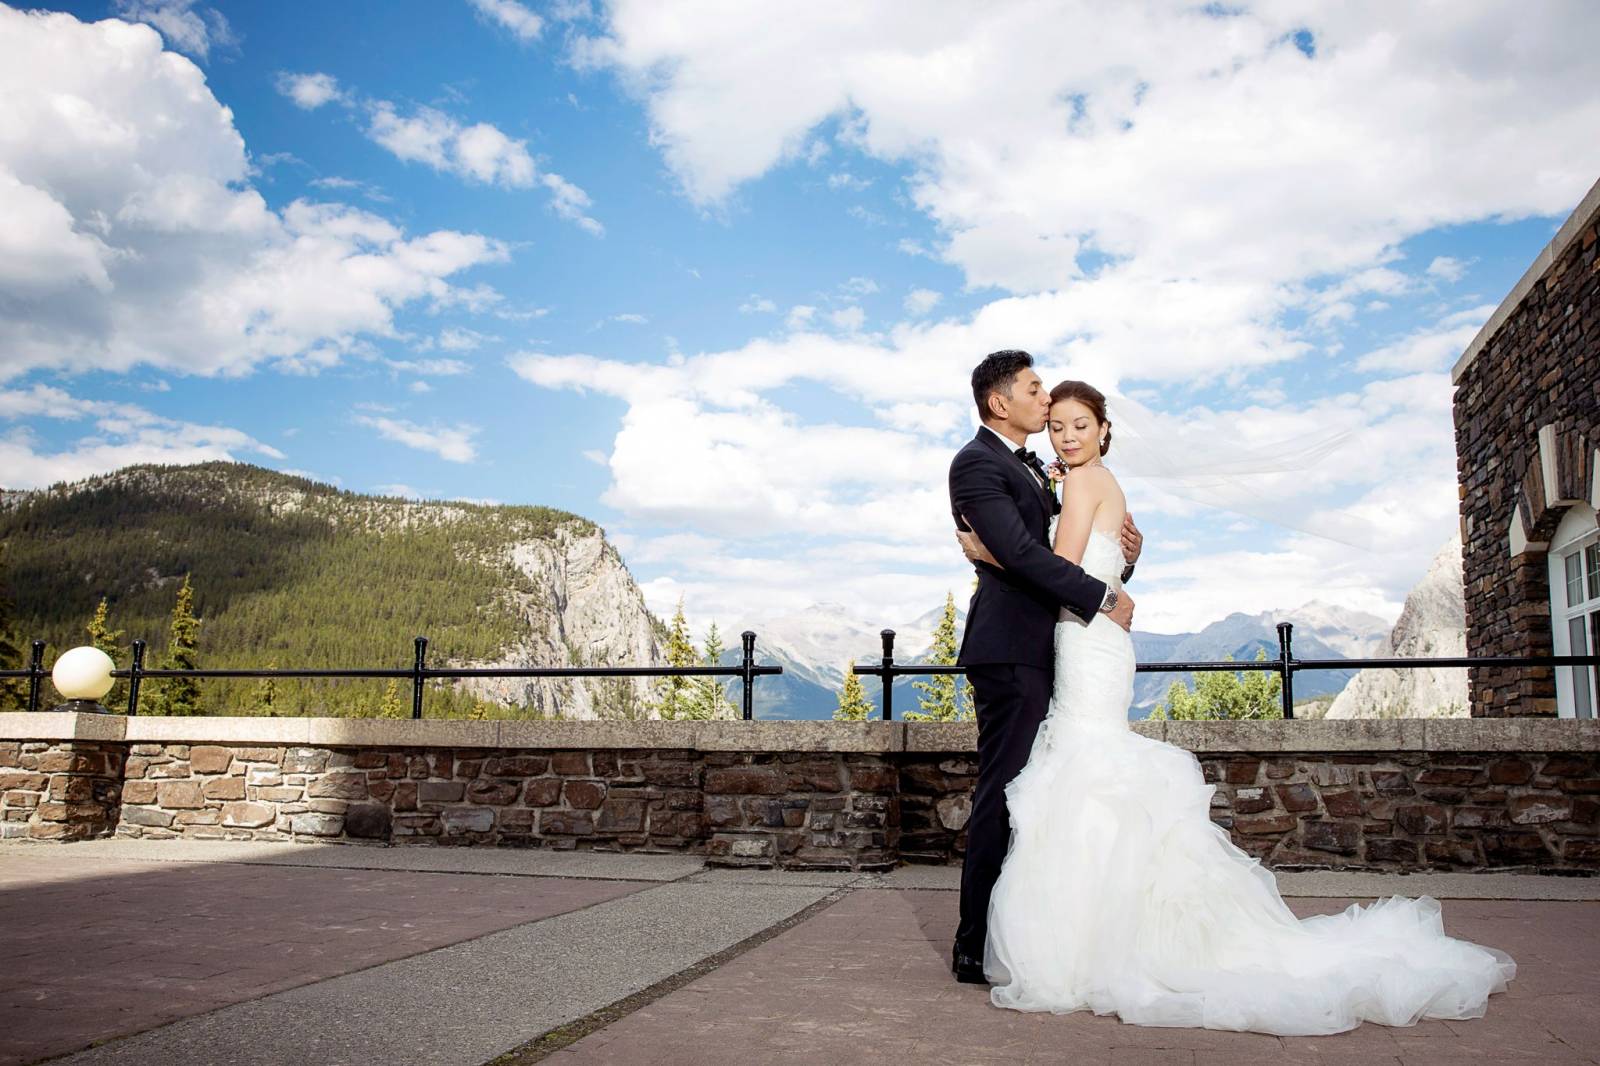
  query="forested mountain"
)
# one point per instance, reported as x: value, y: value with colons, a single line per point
x: 293, y: 573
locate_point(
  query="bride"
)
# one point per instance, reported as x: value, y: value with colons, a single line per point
x: 1118, y: 893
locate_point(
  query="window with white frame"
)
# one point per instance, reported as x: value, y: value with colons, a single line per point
x: 1575, y: 609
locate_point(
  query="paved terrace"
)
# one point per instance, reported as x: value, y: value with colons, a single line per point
x: 161, y: 952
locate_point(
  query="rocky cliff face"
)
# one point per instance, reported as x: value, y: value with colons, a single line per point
x: 585, y: 610
x: 1433, y: 624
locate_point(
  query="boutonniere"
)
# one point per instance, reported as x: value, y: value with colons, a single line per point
x: 1058, y: 474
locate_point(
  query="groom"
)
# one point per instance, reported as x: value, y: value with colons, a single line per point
x: 1000, y: 491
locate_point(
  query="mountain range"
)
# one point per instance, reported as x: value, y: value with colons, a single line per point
x: 814, y: 647
x: 297, y: 573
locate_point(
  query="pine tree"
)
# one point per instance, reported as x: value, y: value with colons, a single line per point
x: 13, y: 691
x: 1219, y: 695
x: 265, y: 702
x: 853, y: 703
x: 943, y: 699
x: 180, y: 696
x: 108, y: 640
x: 389, y: 706
x: 711, y: 699
x: 676, y: 699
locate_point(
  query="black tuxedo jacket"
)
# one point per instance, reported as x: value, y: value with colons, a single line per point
x: 1013, y: 613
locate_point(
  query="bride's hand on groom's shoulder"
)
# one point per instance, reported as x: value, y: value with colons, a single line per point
x: 1132, y: 540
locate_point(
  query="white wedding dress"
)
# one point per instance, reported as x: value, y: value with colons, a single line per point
x: 1120, y: 895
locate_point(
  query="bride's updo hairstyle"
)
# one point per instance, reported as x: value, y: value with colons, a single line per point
x: 1090, y: 397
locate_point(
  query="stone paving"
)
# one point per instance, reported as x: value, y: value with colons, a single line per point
x: 162, y: 952
x: 138, y: 944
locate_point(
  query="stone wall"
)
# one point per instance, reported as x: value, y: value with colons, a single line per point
x: 1373, y: 810
x: 1534, y: 367
x: 823, y: 810
x: 1376, y: 794
x: 59, y: 789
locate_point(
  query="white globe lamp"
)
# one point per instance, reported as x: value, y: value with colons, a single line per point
x: 83, y: 676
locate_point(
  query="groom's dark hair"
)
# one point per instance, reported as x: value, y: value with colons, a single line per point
x: 995, y: 374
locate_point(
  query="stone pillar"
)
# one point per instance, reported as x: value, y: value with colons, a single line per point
x: 60, y: 789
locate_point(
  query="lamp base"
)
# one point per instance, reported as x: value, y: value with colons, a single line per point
x: 81, y: 707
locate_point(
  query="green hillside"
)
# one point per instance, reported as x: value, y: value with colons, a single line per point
x: 284, y: 570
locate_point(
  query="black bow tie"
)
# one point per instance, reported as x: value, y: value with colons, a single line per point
x: 1034, y: 463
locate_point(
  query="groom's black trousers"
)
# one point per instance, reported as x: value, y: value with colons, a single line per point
x: 1012, y: 700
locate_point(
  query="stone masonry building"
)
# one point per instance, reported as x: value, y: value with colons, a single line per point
x: 1527, y: 419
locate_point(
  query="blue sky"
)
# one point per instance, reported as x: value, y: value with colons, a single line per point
x: 714, y: 274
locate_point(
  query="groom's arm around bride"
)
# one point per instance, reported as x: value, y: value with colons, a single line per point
x: 997, y: 490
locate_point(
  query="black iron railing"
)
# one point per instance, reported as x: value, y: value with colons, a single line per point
x: 887, y: 670
x: 419, y: 672
x: 1285, y: 665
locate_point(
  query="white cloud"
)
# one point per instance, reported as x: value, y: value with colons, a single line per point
x: 420, y: 387
x: 126, y: 434
x: 459, y: 339
x: 453, y: 443
x: 799, y: 316
x: 431, y: 367
x: 570, y: 202
x: 758, y: 305
x: 1447, y: 268
x: 858, y: 287
x: 480, y: 152
x: 862, y: 214
x: 632, y: 318
x: 850, y: 319
x: 399, y: 489
x: 515, y: 17
x: 160, y: 252
x: 846, y: 180
x: 186, y: 29
x: 310, y: 91
x: 919, y: 302
x: 338, y: 184
x: 1429, y: 349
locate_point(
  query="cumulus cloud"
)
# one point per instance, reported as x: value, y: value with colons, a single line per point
x: 132, y: 234
x: 850, y: 319
x: 522, y: 23
x: 124, y: 434
x: 919, y: 302
x: 1170, y: 196
x: 480, y: 153
x: 453, y: 443
x: 188, y: 30
x: 1429, y: 349
x: 309, y: 91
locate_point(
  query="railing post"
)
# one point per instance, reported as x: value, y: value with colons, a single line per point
x: 748, y: 638
x: 1286, y: 665
x: 888, y: 677
x: 35, y: 674
x: 416, y: 677
x: 135, y: 672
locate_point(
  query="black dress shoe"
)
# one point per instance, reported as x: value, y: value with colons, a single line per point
x: 967, y: 968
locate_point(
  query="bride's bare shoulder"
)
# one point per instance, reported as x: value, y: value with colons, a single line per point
x: 1094, y: 478
x: 1097, y: 483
